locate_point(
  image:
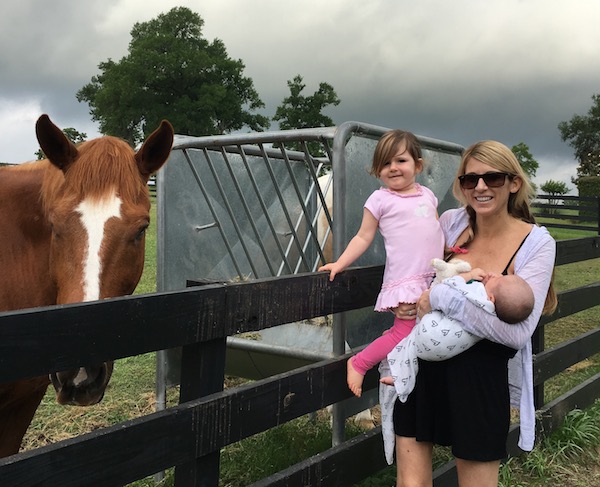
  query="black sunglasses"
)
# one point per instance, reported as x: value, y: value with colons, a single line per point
x: 491, y: 179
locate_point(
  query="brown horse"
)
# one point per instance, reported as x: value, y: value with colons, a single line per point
x: 72, y: 228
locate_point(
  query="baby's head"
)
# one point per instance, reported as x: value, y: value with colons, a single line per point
x: 512, y: 296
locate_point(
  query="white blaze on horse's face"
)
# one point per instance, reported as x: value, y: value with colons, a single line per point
x: 94, y: 215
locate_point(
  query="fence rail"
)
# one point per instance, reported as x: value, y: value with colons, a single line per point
x: 190, y: 435
x: 569, y: 212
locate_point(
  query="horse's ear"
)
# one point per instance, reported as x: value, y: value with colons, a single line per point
x: 59, y: 150
x: 155, y: 150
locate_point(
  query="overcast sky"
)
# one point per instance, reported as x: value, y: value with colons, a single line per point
x: 460, y: 70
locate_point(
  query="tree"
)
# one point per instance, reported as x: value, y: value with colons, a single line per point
x: 554, y: 188
x: 583, y: 134
x: 73, y: 135
x: 172, y: 72
x: 528, y: 163
x: 298, y: 111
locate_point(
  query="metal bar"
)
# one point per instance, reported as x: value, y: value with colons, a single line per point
x: 268, y: 219
x: 248, y: 213
x: 304, y: 215
x: 259, y: 138
x: 294, y: 236
x: 231, y: 213
x: 212, y: 210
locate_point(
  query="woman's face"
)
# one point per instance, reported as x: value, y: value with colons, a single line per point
x: 486, y: 200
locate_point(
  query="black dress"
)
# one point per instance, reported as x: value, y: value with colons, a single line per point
x: 462, y: 402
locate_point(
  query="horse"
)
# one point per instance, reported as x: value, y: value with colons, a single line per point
x: 72, y: 230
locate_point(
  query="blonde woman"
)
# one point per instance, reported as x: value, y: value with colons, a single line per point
x: 464, y: 402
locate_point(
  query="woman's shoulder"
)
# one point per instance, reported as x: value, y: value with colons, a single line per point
x: 539, y: 236
x: 455, y: 218
x: 455, y: 215
x: 453, y: 223
x: 538, y: 243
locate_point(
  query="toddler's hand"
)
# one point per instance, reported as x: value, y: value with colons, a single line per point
x: 333, y: 269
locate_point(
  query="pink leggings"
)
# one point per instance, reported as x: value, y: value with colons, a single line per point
x: 378, y: 349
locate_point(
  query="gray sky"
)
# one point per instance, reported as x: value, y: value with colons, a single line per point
x: 461, y: 70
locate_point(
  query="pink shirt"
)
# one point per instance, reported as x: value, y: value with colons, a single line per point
x: 412, y: 236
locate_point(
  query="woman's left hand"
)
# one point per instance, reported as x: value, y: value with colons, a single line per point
x: 406, y: 311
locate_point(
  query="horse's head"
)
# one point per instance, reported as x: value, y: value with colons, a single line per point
x: 97, y: 203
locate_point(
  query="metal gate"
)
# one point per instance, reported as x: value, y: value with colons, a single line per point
x: 266, y: 204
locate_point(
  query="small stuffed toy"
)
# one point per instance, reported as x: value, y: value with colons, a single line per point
x: 444, y: 270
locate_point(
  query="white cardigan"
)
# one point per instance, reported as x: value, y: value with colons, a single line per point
x: 534, y: 263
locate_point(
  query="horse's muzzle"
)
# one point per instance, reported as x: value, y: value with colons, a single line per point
x: 82, y: 387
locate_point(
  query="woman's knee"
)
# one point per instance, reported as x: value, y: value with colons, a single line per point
x: 477, y: 474
x: 413, y: 460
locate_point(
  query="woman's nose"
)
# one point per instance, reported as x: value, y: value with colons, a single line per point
x: 481, y: 184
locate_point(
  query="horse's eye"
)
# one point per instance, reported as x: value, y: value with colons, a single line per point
x: 54, y: 230
x: 141, y: 233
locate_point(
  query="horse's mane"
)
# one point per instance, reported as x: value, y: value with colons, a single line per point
x: 103, y: 165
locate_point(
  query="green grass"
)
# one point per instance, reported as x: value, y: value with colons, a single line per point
x: 564, y: 458
x: 147, y: 282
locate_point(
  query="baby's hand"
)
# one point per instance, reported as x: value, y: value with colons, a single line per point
x: 476, y: 274
x: 388, y: 381
x: 490, y: 275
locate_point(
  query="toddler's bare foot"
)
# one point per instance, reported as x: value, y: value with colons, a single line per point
x: 387, y: 381
x: 355, y: 379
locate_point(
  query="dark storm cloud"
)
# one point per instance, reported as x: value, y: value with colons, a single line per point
x: 461, y: 71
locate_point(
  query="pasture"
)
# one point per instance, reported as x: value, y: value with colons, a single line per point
x: 131, y: 393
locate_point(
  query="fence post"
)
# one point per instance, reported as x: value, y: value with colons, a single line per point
x: 202, y: 373
x: 598, y: 212
x: 538, y: 343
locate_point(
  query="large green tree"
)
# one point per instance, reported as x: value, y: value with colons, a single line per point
x: 583, y: 134
x: 528, y: 163
x: 523, y: 155
x: 172, y: 72
x: 298, y: 111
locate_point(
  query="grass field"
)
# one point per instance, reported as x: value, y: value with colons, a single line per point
x: 131, y: 394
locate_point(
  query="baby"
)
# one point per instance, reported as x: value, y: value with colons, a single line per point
x: 438, y: 337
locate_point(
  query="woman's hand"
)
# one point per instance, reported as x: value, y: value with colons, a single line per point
x: 423, y: 304
x: 406, y: 311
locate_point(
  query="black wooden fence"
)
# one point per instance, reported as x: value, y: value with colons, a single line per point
x: 190, y: 436
x: 569, y: 212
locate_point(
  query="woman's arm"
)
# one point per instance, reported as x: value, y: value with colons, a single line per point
x: 534, y: 263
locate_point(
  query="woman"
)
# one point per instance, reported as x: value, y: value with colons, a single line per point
x: 464, y: 402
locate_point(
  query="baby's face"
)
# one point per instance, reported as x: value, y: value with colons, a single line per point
x: 491, y: 282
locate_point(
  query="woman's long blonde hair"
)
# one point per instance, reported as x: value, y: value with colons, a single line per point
x: 501, y: 158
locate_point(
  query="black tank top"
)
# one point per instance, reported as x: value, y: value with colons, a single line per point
x: 505, y: 271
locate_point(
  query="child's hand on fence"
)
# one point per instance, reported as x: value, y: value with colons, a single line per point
x: 333, y: 267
